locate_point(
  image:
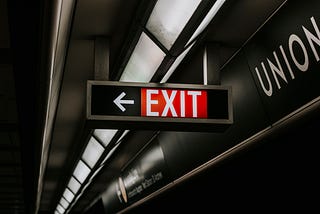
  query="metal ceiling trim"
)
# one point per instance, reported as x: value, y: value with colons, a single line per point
x: 58, y: 40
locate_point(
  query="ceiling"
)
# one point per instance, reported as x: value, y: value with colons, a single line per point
x: 11, y: 185
x: 44, y: 139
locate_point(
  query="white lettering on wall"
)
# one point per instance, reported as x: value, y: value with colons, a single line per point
x: 286, y: 61
x: 311, y: 38
x: 294, y: 45
x: 277, y: 70
x: 267, y: 91
x: 294, y: 38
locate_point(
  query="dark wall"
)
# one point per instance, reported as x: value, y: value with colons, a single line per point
x: 277, y: 174
x: 97, y: 208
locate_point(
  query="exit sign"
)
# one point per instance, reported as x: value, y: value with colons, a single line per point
x: 179, y: 103
x: 184, y: 107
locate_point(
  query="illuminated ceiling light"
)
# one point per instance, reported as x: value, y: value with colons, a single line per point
x: 105, y: 135
x: 74, y: 185
x: 81, y: 171
x: 144, y: 61
x: 172, y: 26
x: 64, y: 203
x: 168, y: 19
x: 212, y: 12
x: 175, y: 64
x: 68, y: 195
x: 60, y: 209
x: 92, y: 152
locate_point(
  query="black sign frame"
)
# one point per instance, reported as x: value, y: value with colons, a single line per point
x: 158, y: 123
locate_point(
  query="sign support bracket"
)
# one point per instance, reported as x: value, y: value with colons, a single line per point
x: 101, y: 58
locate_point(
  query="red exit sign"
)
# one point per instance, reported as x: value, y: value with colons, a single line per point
x: 112, y: 104
x: 173, y: 103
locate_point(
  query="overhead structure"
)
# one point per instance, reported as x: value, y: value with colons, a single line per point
x: 152, y: 55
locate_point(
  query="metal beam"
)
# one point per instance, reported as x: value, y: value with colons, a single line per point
x: 211, y: 64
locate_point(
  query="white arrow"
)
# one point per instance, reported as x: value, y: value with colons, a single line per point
x: 119, y: 102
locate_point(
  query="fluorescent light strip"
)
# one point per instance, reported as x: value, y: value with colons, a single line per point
x: 68, y: 195
x: 168, y: 19
x: 104, y: 135
x: 60, y: 209
x: 64, y: 203
x: 92, y: 152
x: 175, y: 64
x: 74, y: 185
x: 144, y: 61
x: 212, y: 12
x: 81, y: 171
